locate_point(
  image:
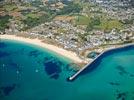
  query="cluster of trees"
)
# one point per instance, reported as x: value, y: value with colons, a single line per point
x: 104, y: 24
x: 93, y: 22
x: 55, y: 1
x: 36, y: 3
x: 4, y: 20
x: 71, y: 8
x: 34, y: 21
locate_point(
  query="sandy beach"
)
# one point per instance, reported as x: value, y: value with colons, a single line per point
x: 69, y: 54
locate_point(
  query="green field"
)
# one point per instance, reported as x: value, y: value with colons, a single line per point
x: 100, y: 23
x: 110, y: 24
x: 32, y: 15
x: 81, y: 20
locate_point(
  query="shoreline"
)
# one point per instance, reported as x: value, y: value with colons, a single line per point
x: 65, y: 53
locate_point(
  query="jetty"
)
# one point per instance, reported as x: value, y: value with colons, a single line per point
x: 76, y: 74
x: 83, y: 68
x: 98, y: 57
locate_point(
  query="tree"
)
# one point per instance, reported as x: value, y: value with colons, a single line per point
x: 4, y: 20
x: 96, y: 21
x: 89, y: 27
x: 93, y: 22
x: 71, y: 8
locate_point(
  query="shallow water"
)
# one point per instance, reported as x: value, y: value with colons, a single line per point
x: 28, y: 72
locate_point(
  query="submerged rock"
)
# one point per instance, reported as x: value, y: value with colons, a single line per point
x: 114, y: 83
x: 6, y: 90
x: 121, y: 70
x: 52, y: 69
x: 14, y: 66
x: 121, y: 96
x: 72, y: 67
x: 34, y: 53
x: 55, y: 76
x: 3, y: 45
x: 3, y: 54
x: 131, y: 75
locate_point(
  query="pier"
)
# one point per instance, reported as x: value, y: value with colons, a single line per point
x: 107, y: 51
x: 83, y: 68
x: 76, y: 74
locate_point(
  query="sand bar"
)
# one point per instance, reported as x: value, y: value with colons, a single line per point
x: 69, y: 54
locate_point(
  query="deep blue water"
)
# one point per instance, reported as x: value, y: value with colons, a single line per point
x: 29, y: 72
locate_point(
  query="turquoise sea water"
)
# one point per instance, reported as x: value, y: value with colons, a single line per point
x: 28, y: 72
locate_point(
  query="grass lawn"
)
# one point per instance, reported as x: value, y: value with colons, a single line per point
x: 32, y: 15
x: 81, y: 20
x: 112, y: 24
